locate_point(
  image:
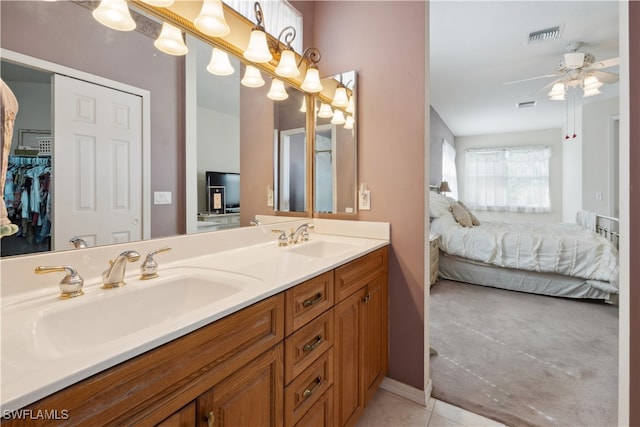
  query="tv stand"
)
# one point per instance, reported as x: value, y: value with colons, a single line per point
x: 215, y: 222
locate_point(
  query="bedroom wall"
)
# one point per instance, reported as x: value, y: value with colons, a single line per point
x: 597, y: 167
x: 438, y: 131
x: 551, y: 137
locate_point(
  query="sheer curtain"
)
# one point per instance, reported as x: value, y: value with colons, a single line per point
x: 508, y: 179
x: 277, y: 15
x: 449, y: 172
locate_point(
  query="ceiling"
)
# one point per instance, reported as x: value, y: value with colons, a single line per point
x: 477, y: 46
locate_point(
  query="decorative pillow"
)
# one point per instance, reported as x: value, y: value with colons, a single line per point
x: 461, y: 216
x: 438, y: 205
x: 474, y: 219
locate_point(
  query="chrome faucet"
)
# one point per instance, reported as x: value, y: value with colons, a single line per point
x: 113, y: 277
x: 301, y: 234
x: 282, y: 238
x: 78, y: 242
x: 149, y: 268
x: 255, y: 222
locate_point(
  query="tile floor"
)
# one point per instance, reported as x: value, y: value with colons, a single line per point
x: 389, y: 410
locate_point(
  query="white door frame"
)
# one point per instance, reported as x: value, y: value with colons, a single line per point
x: 50, y: 67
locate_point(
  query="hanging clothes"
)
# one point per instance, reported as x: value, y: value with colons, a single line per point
x: 8, y: 111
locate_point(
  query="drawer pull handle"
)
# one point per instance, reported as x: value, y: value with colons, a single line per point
x: 313, y: 300
x: 211, y: 418
x: 312, y: 344
x: 366, y: 297
x: 309, y: 391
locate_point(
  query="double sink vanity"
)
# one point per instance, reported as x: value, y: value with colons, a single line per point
x: 237, y: 329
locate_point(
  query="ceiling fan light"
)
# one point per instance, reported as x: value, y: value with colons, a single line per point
x: 220, y: 64
x: 211, y: 19
x: 252, y: 77
x: 325, y: 111
x: 591, y: 82
x: 277, y: 91
x: 590, y: 92
x: 558, y: 89
x: 557, y: 97
x: 170, y: 41
x: 115, y: 15
x: 287, y: 66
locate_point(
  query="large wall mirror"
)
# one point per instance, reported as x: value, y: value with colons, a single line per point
x: 194, y: 120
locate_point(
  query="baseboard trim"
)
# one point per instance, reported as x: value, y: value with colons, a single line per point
x: 421, y: 397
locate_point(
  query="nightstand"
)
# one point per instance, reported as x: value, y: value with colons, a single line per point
x: 434, y: 256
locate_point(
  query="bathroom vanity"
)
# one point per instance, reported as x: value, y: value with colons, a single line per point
x: 306, y: 344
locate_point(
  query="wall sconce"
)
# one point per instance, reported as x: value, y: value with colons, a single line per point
x: 219, y: 63
x: 311, y: 81
x: 348, y: 124
x: 170, y: 41
x: 277, y: 91
x: 115, y: 15
x: 325, y: 111
x: 252, y: 77
x: 258, y: 50
x: 338, y: 117
x: 340, y: 98
x: 159, y: 3
x: 211, y: 19
x: 287, y: 66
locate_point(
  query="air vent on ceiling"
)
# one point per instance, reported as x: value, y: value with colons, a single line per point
x: 526, y: 104
x: 545, y: 35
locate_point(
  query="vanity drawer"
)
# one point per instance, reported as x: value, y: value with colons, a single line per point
x: 307, y: 300
x: 303, y: 347
x: 307, y: 388
x: 321, y: 413
x: 351, y: 277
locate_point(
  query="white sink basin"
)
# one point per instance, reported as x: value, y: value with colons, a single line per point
x: 60, y: 328
x: 321, y: 248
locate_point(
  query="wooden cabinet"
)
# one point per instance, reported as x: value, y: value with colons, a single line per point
x: 361, y: 335
x: 310, y: 356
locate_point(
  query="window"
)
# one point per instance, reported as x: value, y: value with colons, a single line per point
x: 514, y: 179
x: 277, y: 15
x: 449, y: 173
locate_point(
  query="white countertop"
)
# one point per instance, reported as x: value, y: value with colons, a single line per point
x: 34, y: 367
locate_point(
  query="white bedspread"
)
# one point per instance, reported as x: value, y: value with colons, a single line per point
x: 566, y: 249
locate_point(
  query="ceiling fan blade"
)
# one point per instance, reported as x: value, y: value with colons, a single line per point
x: 605, y: 77
x: 611, y: 62
x: 532, y: 78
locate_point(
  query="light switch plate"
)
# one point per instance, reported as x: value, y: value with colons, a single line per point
x: 364, y: 200
x: 270, y: 198
x: 162, y: 197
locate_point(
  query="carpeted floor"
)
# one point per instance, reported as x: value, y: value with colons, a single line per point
x: 524, y: 359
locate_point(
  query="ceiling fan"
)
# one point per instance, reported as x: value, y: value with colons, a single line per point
x: 577, y: 69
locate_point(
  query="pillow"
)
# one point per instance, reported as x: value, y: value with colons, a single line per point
x: 474, y: 219
x: 438, y: 205
x: 461, y: 216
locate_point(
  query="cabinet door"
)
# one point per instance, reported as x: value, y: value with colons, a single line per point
x: 185, y: 417
x: 375, y: 335
x: 252, y: 396
x: 348, y: 354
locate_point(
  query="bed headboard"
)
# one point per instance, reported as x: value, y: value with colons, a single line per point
x: 608, y: 228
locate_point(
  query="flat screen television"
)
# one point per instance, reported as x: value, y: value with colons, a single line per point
x: 231, y: 182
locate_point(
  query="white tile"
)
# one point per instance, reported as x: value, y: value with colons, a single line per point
x: 461, y: 416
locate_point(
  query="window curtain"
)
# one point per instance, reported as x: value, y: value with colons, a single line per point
x: 277, y: 15
x: 508, y: 179
x: 449, y: 172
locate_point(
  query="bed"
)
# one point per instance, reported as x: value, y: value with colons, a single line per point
x: 564, y: 260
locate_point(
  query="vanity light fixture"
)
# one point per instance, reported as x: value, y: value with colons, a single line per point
x: 325, y: 111
x: 258, y: 50
x: 211, y: 19
x: 170, y: 41
x: 303, y: 107
x: 115, y: 15
x: 349, y: 121
x: 159, y: 3
x: 340, y: 98
x: 338, y: 117
x: 287, y: 66
x: 351, y: 105
x: 219, y: 63
x: 311, y: 81
x: 277, y: 91
x: 252, y: 77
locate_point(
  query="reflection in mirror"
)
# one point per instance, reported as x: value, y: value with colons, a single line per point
x: 335, y: 151
x: 290, y: 177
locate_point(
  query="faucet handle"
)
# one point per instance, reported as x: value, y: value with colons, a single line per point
x: 70, y: 285
x: 283, y: 239
x: 149, y: 268
x: 304, y: 236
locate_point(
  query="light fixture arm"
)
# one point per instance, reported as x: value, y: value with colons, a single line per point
x: 289, y: 36
x: 259, y: 17
x: 312, y: 54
